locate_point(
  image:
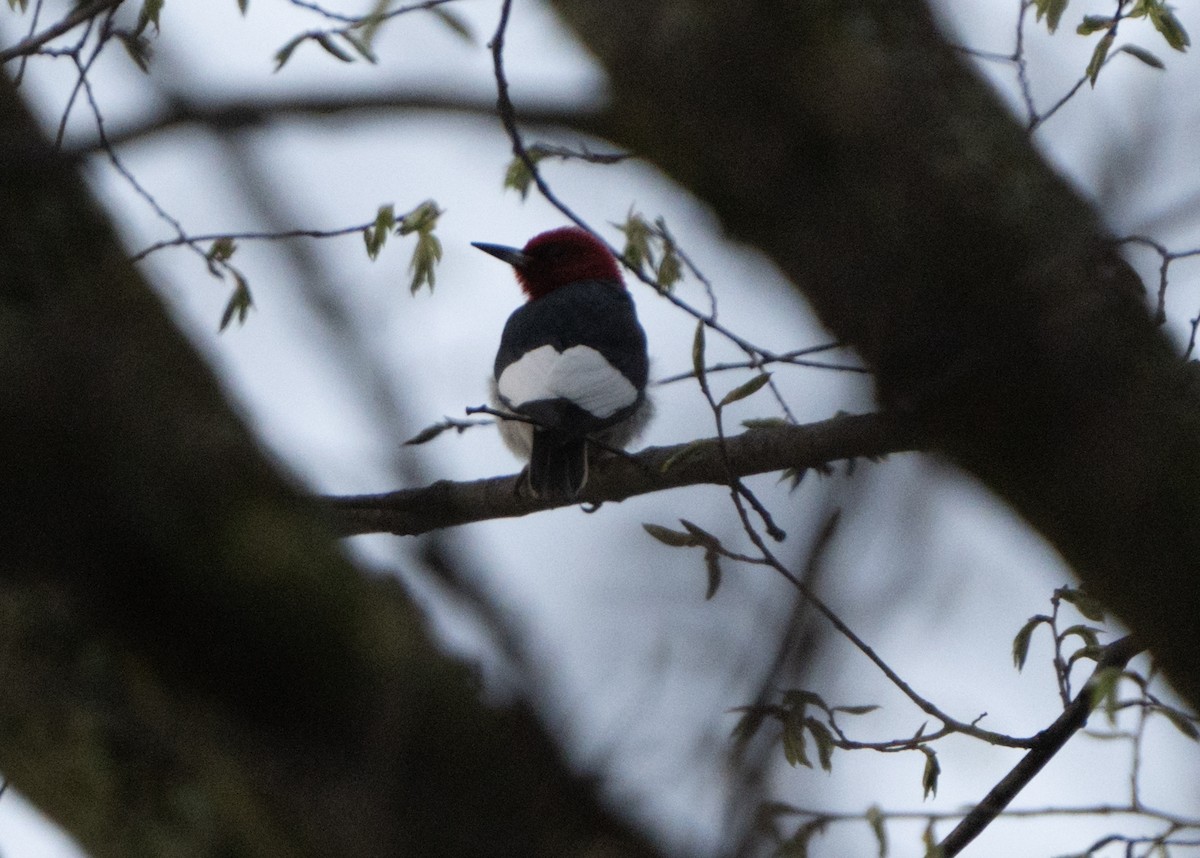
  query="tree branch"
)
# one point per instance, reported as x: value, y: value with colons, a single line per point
x: 1048, y: 743
x: 250, y: 113
x: 446, y: 504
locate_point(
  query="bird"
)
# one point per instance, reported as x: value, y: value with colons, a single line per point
x: 572, y: 360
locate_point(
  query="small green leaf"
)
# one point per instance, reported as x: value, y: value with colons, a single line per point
x: 1099, y: 56
x: 331, y: 47
x: 665, y: 535
x: 149, y: 14
x: 239, y: 304
x: 856, y: 710
x: 691, y: 449
x: 796, y: 475
x: 796, y: 846
x: 929, y: 840
x: 800, y: 698
x: 703, y: 537
x: 361, y: 46
x: 426, y: 256
x: 824, y: 742
x: 712, y: 568
x: 793, y: 739
x: 428, y: 252
x: 1102, y: 688
x: 1085, y: 604
x: 669, y: 270
x: 698, y: 354
x: 1142, y: 54
x: 285, y: 53
x: 375, y: 236
x: 748, y: 725
x: 373, y: 19
x: 637, y: 240
x: 748, y: 389
x: 421, y: 219
x: 875, y: 820
x: 1093, y: 24
x: 455, y: 23
x: 1085, y: 633
x: 1182, y: 722
x: 430, y: 432
x: 1053, y: 10
x: 929, y: 778
x: 1168, y: 25
x: 518, y: 176
x: 1092, y: 652
x: 138, y: 48
x: 1020, y: 645
x: 221, y: 250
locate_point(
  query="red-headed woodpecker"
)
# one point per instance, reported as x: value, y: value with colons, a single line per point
x: 572, y: 359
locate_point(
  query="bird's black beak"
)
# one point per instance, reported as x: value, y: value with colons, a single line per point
x: 514, y: 256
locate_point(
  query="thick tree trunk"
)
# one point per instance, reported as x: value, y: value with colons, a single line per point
x: 189, y: 665
x: 850, y: 143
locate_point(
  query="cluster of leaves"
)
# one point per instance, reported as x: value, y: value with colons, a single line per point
x: 693, y: 536
x: 358, y: 36
x: 519, y: 175
x: 136, y: 41
x: 651, y: 246
x: 421, y: 221
x: 240, y: 302
x: 1086, y: 605
x: 1105, y: 685
x: 1160, y: 15
x: 793, y: 712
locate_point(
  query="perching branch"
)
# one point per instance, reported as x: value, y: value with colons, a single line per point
x: 445, y: 504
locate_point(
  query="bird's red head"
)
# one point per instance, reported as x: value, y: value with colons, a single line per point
x: 557, y: 257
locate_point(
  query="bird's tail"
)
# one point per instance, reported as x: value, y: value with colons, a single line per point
x: 558, y: 467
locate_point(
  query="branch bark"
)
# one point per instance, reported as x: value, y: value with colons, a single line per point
x: 848, y: 141
x: 757, y: 451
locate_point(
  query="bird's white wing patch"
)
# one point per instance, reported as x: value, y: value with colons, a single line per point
x: 579, y: 374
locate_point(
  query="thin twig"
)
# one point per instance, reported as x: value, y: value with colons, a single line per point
x: 248, y: 236
x: 80, y: 15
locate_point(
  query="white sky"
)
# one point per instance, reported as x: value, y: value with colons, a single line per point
x: 637, y: 670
